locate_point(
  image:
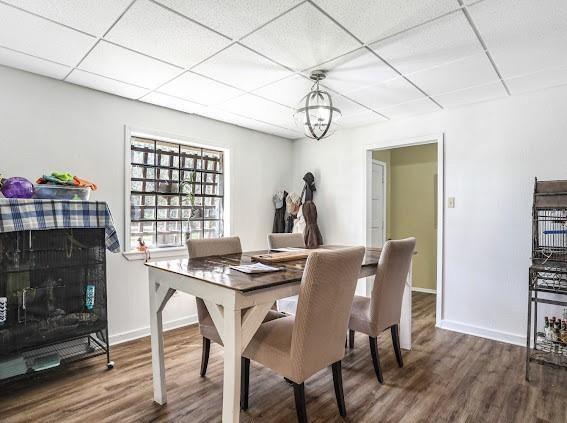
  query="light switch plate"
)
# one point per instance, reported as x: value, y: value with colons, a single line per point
x: 451, y: 202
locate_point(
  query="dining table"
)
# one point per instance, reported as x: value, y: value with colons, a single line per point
x: 236, y: 301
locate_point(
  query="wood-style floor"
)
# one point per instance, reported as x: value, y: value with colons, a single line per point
x: 448, y: 377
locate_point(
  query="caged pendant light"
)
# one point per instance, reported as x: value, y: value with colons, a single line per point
x: 315, y: 114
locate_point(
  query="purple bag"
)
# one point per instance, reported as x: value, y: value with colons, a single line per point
x: 17, y: 187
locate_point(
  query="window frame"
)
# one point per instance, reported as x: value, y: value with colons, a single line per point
x: 157, y: 252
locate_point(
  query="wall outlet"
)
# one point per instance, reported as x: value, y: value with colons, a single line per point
x: 451, y: 202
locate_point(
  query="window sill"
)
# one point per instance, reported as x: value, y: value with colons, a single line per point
x: 158, y: 253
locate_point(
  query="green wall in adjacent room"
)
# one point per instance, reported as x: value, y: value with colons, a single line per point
x: 411, y: 177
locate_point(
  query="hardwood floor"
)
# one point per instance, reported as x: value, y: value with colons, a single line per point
x: 447, y: 377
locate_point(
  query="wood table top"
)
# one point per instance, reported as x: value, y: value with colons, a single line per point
x: 216, y: 269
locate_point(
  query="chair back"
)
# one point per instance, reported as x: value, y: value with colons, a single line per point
x: 325, y: 299
x: 285, y: 240
x: 389, y: 283
x: 213, y: 247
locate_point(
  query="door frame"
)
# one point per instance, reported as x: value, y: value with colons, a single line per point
x: 384, y: 203
x: 438, y: 139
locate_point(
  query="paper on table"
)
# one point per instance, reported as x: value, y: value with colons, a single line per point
x: 255, y: 268
x: 287, y: 249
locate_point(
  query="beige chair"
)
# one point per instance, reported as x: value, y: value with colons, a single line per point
x: 289, y: 305
x: 382, y: 310
x: 298, y: 347
x: 206, y: 248
x: 285, y: 240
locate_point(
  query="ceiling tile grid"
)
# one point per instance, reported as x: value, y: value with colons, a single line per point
x: 199, y: 89
x: 459, y: 74
x: 386, y: 94
x: 149, y: 28
x: 32, y: 64
x: 247, y: 62
x: 242, y: 68
x: 411, y: 108
x: 127, y: 66
x: 260, y: 109
x: 371, y: 20
x: 92, y: 17
x: 236, y: 17
x: 108, y: 85
x: 355, y: 70
x: 38, y: 37
x: 472, y: 95
x: 302, y: 38
x: 174, y: 103
x: 523, y: 36
x: 441, y: 41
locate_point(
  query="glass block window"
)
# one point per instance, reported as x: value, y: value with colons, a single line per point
x: 176, y: 191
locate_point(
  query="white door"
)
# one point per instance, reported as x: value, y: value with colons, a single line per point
x: 378, y: 228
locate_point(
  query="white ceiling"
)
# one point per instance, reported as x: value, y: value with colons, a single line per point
x: 246, y: 61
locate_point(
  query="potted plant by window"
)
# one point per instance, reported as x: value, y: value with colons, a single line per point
x: 190, y: 196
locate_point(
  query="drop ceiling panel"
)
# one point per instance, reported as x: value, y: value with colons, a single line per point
x: 92, y: 16
x: 155, y: 31
x: 463, y: 73
x: 347, y: 106
x: 127, y: 66
x: 537, y: 80
x: 301, y: 39
x: 412, y: 108
x: 199, y: 89
x: 372, y: 20
x: 172, y: 103
x: 366, y: 117
x: 36, y: 36
x: 444, y: 40
x: 472, y: 95
x: 32, y: 64
x: 288, y: 91
x: 386, y: 94
x: 356, y: 70
x: 234, y: 18
x: 260, y: 109
x: 101, y: 83
x: 241, y: 68
x: 523, y: 36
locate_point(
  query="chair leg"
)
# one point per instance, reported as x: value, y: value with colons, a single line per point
x: 351, y: 338
x: 375, y: 358
x: 301, y: 409
x: 395, y: 329
x: 338, y: 382
x: 205, y: 356
x: 244, y: 383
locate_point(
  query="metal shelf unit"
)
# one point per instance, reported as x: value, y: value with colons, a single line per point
x: 548, y: 273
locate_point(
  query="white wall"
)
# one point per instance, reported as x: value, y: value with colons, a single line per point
x: 492, y: 153
x: 47, y: 125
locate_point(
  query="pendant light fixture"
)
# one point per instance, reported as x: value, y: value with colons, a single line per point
x: 315, y: 114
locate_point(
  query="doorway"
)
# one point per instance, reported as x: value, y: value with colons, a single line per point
x: 404, y: 186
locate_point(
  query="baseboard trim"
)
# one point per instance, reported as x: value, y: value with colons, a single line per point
x: 130, y: 335
x: 426, y: 290
x: 495, y: 335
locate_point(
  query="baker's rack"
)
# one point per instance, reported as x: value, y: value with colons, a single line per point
x: 548, y: 272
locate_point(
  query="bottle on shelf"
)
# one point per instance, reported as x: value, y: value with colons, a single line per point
x: 546, y: 333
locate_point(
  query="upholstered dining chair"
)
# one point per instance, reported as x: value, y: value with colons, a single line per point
x: 299, y: 346
x: 382, y: 310
x: 206, y: 248
x: 285, y: 241
x: 289, y: 304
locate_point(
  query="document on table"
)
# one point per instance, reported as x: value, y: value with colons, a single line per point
x: 256, y: 268
x: 288, y: 249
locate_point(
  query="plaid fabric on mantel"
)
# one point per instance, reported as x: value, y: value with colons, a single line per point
x: 31, y: 214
